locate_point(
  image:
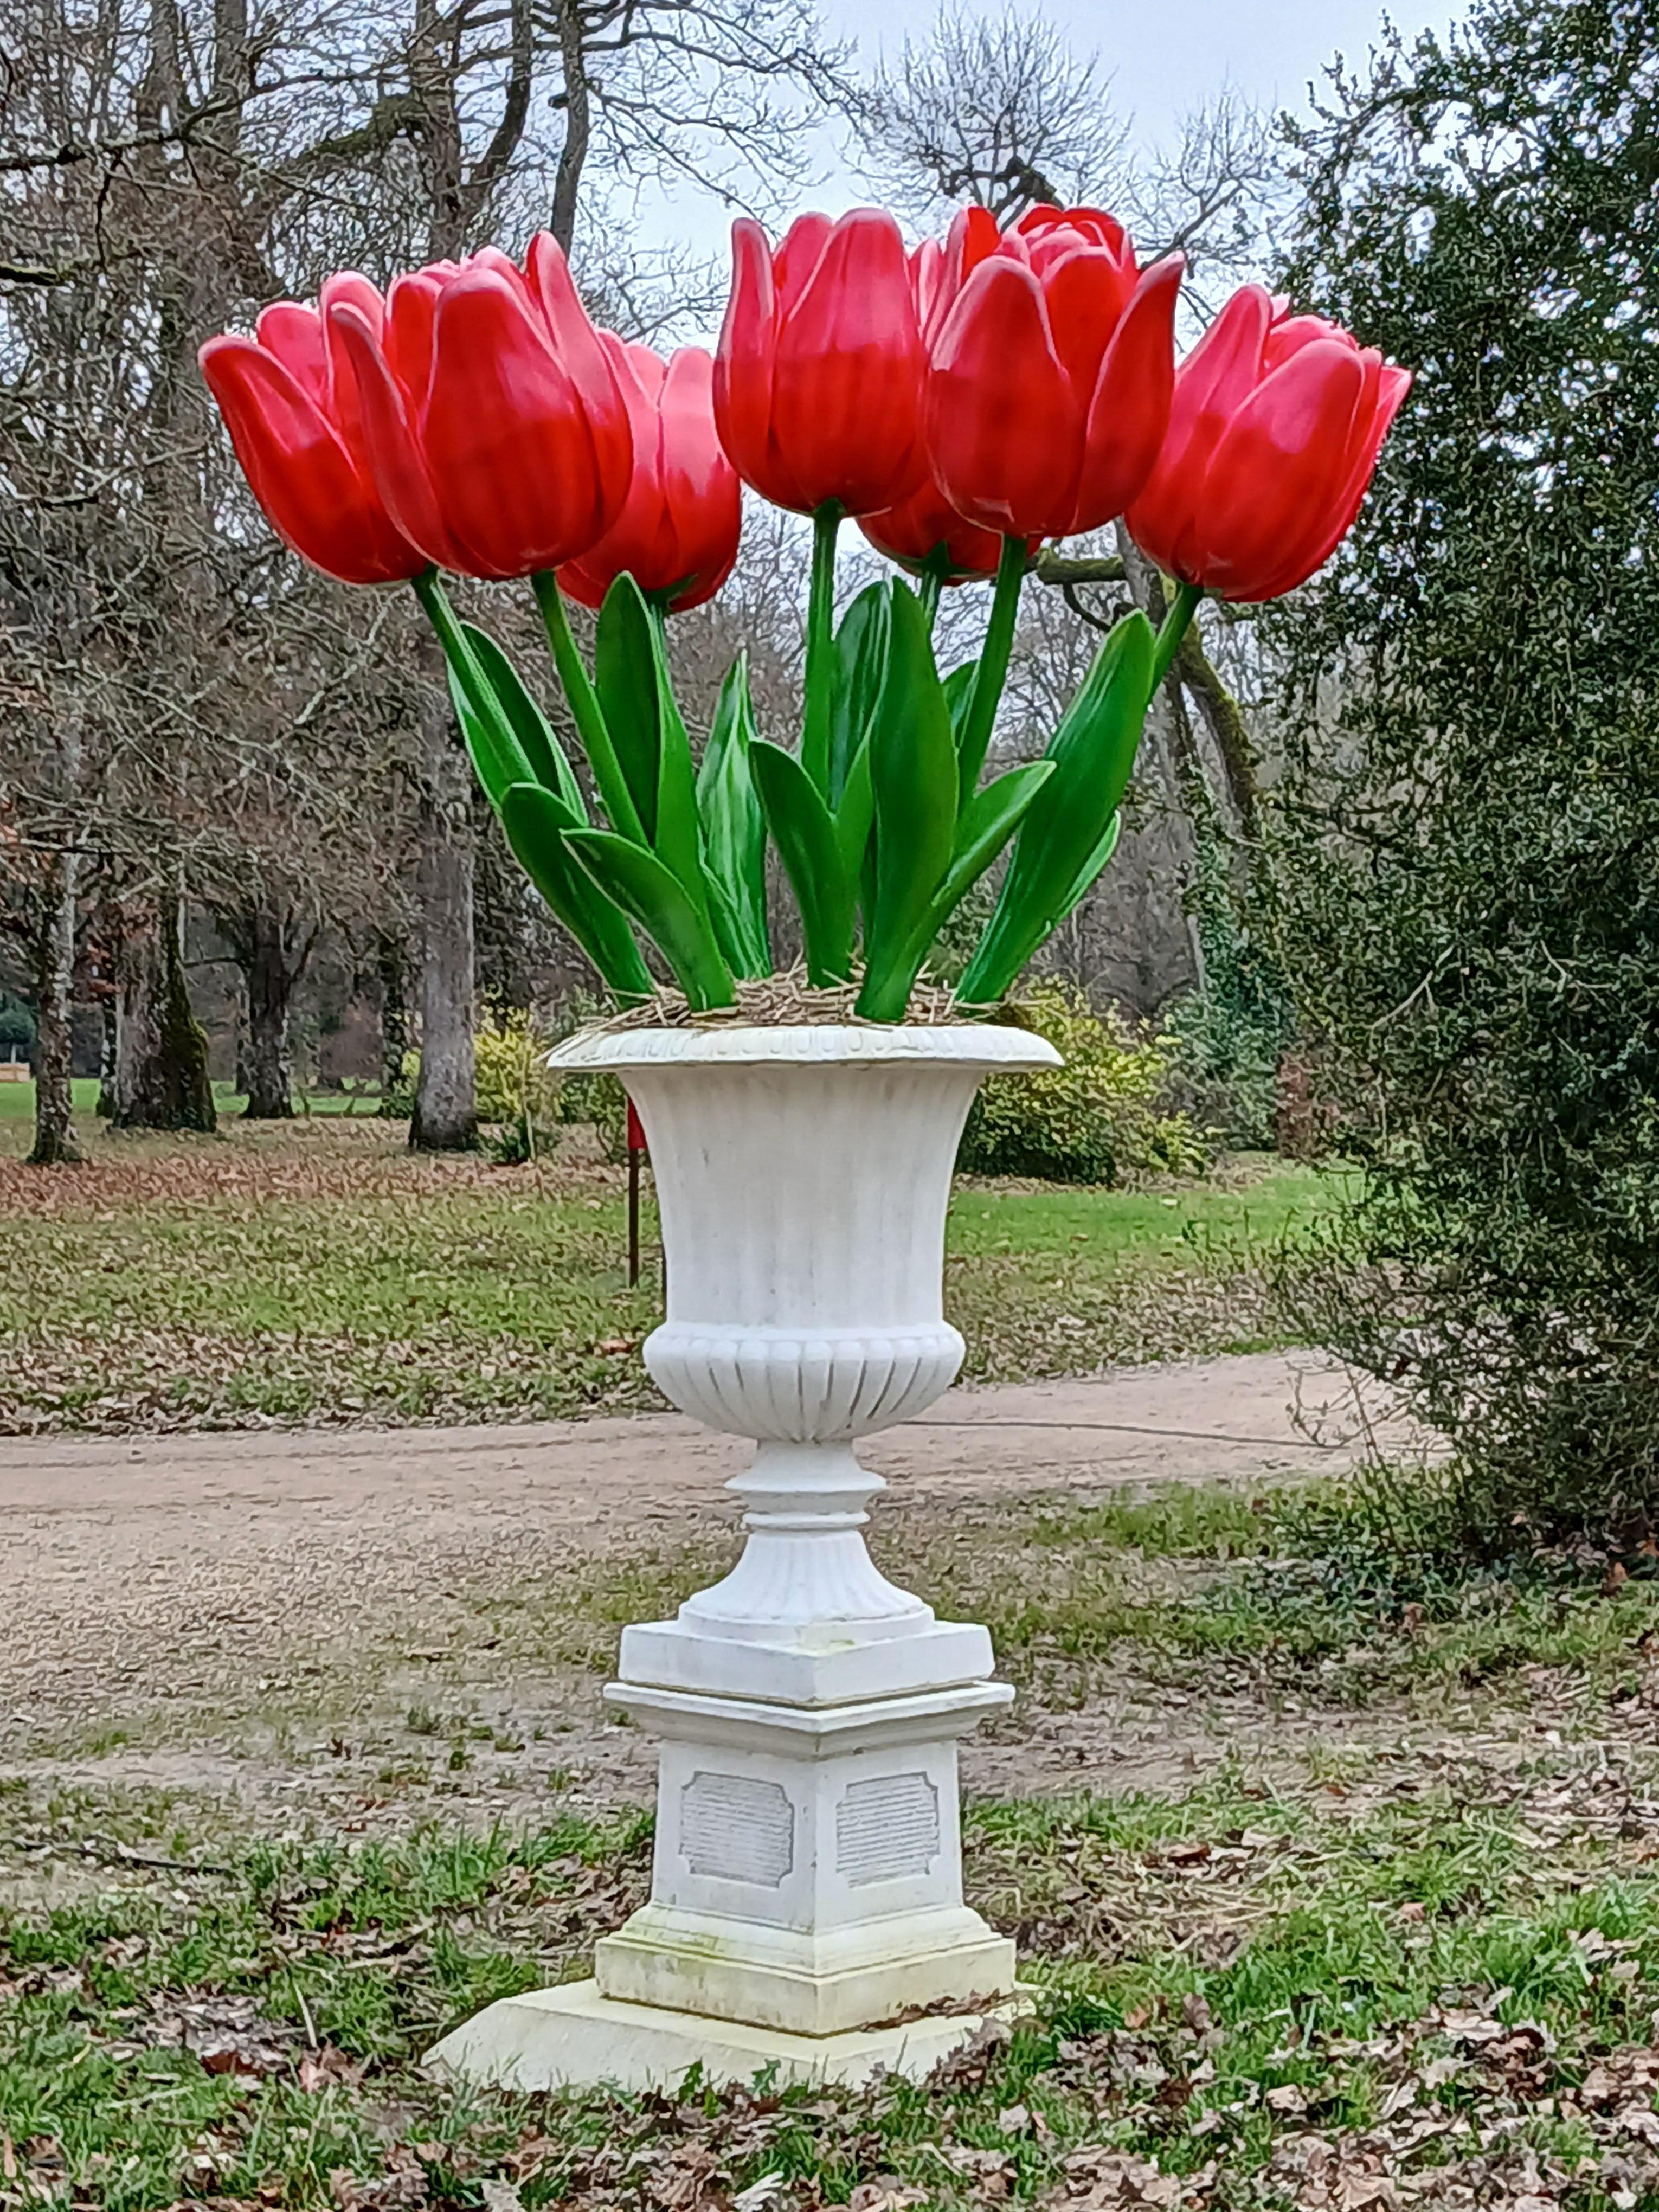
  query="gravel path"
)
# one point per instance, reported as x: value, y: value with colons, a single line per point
x: 179, y: 1608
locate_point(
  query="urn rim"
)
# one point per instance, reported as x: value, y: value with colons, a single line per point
x: 995, y: 1048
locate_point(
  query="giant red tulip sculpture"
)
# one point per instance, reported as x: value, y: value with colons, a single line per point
x: 492, y: 419
x: 991, y: 389
x: 290, y: 404
x: 1274, y: 432
x: 677, y: 535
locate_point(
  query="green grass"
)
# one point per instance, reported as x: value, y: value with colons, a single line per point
x: 290, y: 1272
x: 1218, y: 1977
x: 17, y: 1101
x: 1203, y: 1588
x: 1196, y: 1220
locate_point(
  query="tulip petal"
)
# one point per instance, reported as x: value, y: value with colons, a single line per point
x: 1392, y: 384
x: 590, y: 368
x: 491, y: 257
x: 1130, y: 412
x: 1277, y: 474
x: 298, y: 471
x: 394, y: 459
x: 742, y: 369
x: 406, y: 339
x: 635, y: 541
x: 506, y: 440
x: 294, y: 334
x: 1087, y: 292
x: 1094, y: 224
x: 681, y: 523
x: 799, y: 252
x: 927, y: 283
x: 972, y: 237
x: 1003, y: 426
x: 348, y: 285
x: 1290, y: 333
x: 915, y: 529
x: 348, y: 288
x: 1211, y: 384
x: 847, y: 374
x: 700, y: 486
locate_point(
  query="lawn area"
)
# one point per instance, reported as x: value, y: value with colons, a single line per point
x: 1364, y: 1992
x: 17, y: 1101
x: 316, y: 1271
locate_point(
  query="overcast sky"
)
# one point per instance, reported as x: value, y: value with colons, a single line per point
x: 1164, y: 57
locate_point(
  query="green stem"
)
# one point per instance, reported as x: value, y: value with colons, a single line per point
x: 992, y: 671
x: 591, y: 726
x: 930, y: 584
x: 480, y: 692
x: 1182, y: 608
x: 819, y: 716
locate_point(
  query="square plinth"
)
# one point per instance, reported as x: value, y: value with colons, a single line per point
x: 574, y: 2038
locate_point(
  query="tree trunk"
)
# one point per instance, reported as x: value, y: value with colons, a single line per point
x: 108, y: 1055
x: 578, y: 124
x: 161, y: 1050
x: 270, y: 989
x: 445, y: 1118
x: 54, y: 1097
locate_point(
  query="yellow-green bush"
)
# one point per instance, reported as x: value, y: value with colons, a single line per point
x: 1096, y: 1119
x: 515, y: 1082
x: 517, y: 1091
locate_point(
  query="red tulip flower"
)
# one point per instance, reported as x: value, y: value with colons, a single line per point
x: 677, y: 533
x: 913, y: 532
x: 1052, y: 362
x: 1273, y: 437
x: 491, y: 414
x: 290, y: 404
x: 817, y: 378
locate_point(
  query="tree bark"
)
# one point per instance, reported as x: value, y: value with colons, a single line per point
x: 108, y: 1054
x: 270, y: 983
x: 161, y: 1050
x: 578, y: 124
x: 445, y: 1118
x: 390, y: 967
x: 54, y: 994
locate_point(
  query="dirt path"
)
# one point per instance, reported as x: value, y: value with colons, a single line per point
x: 227, y: 1612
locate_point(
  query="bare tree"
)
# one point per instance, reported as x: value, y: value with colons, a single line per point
x: 1000, y: 110
x: 997, y: 110
x: 168, y: 166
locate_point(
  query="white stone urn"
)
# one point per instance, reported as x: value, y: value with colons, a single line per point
x: 806, y: 1889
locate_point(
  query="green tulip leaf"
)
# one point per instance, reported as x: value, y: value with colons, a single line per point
x: 803, y: 830
x: 536, y: 820
x: 734, y: 824
x: 1064, y: 834
x: 1091, y: 868
x: 859, y: 667
x: 988, y: 821
x: 678, y: 842
x: 680, y: 928
x: 536, y: 741
x: 498, y: 760
x: 913, y: 769
x: 625, y: 678
x: 959, y: 694
x: 728, y: 925
x: 855, y: 816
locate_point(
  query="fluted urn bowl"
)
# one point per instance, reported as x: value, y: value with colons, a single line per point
x: 802, y: 1177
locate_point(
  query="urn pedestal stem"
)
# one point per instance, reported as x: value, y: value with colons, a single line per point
x: 806, y: 1909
